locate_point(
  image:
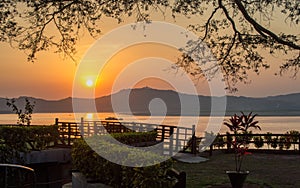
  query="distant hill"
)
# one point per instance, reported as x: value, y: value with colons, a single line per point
x: 139, y: 100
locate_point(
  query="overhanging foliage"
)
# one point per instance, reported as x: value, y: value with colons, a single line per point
x: 238, y: 32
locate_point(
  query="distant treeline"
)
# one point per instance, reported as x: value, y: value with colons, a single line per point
x: 139, y: 100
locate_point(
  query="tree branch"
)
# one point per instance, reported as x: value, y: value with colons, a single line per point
x: 236, y: 32
x: 208, y: 21
x: 262, y: 30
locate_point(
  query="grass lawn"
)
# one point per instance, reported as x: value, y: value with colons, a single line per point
x: 266, y: 170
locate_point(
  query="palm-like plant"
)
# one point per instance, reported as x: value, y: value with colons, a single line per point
x: 247, y: 121
x: 240, y: 125
x: 234, y: 123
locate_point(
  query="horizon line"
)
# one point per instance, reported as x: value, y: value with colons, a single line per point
x: 146, y: 87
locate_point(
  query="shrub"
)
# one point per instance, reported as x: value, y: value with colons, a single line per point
x: 23, y: 138
x: 132, y: 138
x: 281, y: 142
x: 24, y: 115
x: 258, y: 142
x: 219, y: 141
x: 96, y: 167
x: 274, y: 142
x: 229, y: 140
x: 294, y: 136
x: 288, y: 139
x: 268, y: 139
x: 15, y: 139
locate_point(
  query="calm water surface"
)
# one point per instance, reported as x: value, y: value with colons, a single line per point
x: 274, y: 124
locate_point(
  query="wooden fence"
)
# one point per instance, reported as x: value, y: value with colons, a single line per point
x: 174, y: 138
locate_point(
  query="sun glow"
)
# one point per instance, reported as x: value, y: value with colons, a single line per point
x: 89, y: 116
x: 89, y: 83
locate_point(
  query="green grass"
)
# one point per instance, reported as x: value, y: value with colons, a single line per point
x: 266, y: 170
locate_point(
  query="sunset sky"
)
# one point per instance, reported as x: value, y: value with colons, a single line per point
x: 51, y: 76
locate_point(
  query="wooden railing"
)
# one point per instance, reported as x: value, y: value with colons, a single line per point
x: 68, y: 132
x: 174, y: 138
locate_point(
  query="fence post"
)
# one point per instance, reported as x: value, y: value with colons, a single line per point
x: 177, y: 139
x: 163, y: 133
x: 194, y: 144
x: 171, y: 141
x: 299, y: 143
x: 194, y: 129
x: 56, y: 123
x: 211, y: 147
x: 228, y: 142
x: 81, y: 127
x: 95, y: 128
x: 89, y: 129
x: 194, y: 141
x: 69, y: 134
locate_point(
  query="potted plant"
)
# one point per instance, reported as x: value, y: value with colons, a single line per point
x: 239, y: 126
x: 258, y: 142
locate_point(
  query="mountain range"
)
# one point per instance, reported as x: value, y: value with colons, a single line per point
x: 145, y: 101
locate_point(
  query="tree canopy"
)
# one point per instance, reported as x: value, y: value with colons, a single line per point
x: 238, y: 32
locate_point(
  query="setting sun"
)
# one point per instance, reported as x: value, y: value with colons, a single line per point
x: 89, y: 83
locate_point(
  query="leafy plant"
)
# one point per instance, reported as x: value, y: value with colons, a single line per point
x: 132, y: 138
x: 274, y: 142
x: 219, y: 141
x: 234, y: 123
x: 287, y: 143
x: 95, y: 167
x: 240, y: 125
x: 16, y: 139
x: 231, y: 29
x: 281, y: 142
x: 240, y: 151
x: 258, y: 142
x: 229, y: 140
x: 24, y: 117
x: 268, y: 139
x: 294, y: 136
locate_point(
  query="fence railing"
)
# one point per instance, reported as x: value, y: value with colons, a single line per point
x: 175, y: 138
x: 271, y: 141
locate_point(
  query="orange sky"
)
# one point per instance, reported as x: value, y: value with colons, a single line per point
x: 51, y: 76
x: 129, y: 55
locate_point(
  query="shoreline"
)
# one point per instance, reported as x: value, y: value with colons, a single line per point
x: 227, y: 114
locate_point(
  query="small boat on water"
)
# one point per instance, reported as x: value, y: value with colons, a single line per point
x: 113, y: 118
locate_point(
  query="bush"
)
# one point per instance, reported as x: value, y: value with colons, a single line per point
x: 219, y: 141
x: 15, y: 139
x: 258, y: 142
x: 132, y: 138
x: 95, y: 167
x: 23, y: 138
x: 274, y: 142
x: 268, y: 139
x: 281, y: 142
x: 287, y: 143
x: 294, y: 136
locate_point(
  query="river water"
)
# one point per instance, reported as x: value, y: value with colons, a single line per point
x: 273, y: 124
